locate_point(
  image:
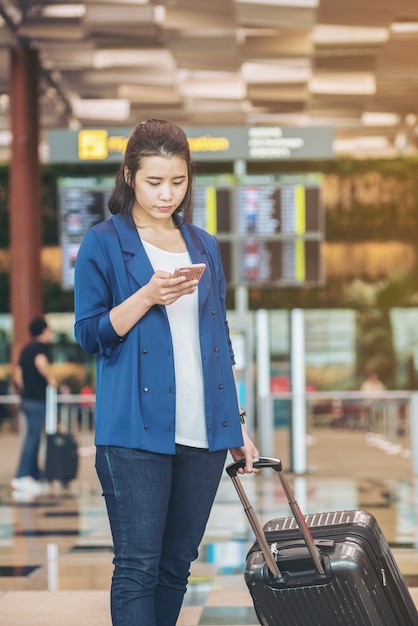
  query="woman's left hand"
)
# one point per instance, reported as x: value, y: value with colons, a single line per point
x: 248, y: 452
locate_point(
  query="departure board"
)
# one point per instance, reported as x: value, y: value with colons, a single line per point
x: 82, y: 203
x: 270, y: 228
x: 285, y: 262
x: 281, y: 224
x: 270, y: 210
x: 212, y: 209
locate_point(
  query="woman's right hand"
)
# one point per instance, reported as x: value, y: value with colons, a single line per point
x: 162, y: 289
x: 165, y: 289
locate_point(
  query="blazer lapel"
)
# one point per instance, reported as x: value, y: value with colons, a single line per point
x: 198, y: 254
x: 136, y: 260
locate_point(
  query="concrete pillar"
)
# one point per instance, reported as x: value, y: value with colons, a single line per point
x: 24, y: 195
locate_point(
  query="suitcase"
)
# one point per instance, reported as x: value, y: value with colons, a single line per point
x: 61, y: 458
x: 61, y: 461
x: 323, y: 570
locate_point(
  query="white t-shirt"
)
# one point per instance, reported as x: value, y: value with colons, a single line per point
x: 183, y: 318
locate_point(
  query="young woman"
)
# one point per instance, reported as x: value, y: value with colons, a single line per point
x: 166, y: 401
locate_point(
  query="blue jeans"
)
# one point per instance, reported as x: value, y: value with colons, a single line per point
x: 158, y: 507
x: 34, y: 411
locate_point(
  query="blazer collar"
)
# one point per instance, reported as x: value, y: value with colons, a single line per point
x: 136, y: 260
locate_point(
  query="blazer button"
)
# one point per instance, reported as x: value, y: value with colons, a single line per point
x: 221, y: 386
x: 146, y: 389
x: 213, y: 312
x: 216, y: 350
x: 144, y: 351
x: 225, y: 424
x: 146, y: 427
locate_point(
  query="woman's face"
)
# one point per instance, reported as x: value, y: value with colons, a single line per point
x: 159, y: 187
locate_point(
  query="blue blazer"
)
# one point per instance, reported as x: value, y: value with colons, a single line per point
x: 135, y: 382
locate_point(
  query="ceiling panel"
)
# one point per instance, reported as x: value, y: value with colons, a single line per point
x: 332, y: 62
x: 215, y: 53
x: 225, y: 62
x: 281, y: 43
x: 271, y: 93
x: 356, y: 12
x: 406, y: 9
x: 268, y: 15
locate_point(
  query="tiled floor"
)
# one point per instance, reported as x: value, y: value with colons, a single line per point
x: 55, y: 550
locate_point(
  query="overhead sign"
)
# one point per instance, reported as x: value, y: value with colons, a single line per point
x: 207, y: 143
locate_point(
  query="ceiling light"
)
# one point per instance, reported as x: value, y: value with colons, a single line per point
x: 303, y: 4
x: 132, y: 58
x: 404, y: 28
x: 101, y: 109
x: 348, y: 83
x: 324, y: 34
x: 214, y: 90
x: 362, y: 145
x: 159, y: 14
x: 280, y: 72
x: 141, y: 76
x: 4, y: 102
x: 411, y: 119
x: 215, y: 106
x: 64, y: 10
x: 371, y: 118
x: 183, y: 75
x: 5, y: 138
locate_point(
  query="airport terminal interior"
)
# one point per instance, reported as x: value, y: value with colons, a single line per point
x: 346, y: 69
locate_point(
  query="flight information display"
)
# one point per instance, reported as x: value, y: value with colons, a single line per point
x: 82, y: 203
x: 213, y: 209
x: 284, y: 262
x: 270, y: 228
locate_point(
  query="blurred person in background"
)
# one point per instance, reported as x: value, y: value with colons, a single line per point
x: 372, y: 382
x: 31, y: 377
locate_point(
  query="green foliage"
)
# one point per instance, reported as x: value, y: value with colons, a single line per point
x: 4, y: 215
x: 375, y: 351
x: 400, y: 289
x: 4, y: 293
x: 55, y: 299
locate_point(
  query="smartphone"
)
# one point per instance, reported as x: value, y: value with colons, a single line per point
x: 191, y: 272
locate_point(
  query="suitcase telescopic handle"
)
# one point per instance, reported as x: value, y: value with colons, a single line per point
x: 275, y: 464
x: 260, y: 463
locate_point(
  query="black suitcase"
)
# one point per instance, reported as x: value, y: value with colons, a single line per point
x: 61, y: 458
x: 323, y: 570
x: 61, y: 461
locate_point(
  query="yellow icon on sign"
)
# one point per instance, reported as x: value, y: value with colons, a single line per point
x: 92, y: 144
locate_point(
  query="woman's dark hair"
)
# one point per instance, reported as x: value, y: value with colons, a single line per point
x: 151, y: 138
